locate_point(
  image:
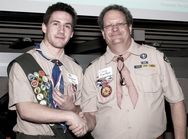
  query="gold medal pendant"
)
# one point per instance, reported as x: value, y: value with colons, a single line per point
x: 106, y: 90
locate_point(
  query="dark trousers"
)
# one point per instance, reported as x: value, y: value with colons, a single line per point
x: 58, y: 134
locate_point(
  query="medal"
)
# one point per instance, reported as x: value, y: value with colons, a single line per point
x: 34, y: 83
x: 106, y: 90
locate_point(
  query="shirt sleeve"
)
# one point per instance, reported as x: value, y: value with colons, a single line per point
x: 89, y: 94
x: 171, y: 88
x: 19, y: 87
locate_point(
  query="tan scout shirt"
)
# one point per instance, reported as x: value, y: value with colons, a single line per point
x: 20, y: 89
x: 154, y: 80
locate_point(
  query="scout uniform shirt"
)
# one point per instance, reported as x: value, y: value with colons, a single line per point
x: 20, y: 88
x: 154, y: 80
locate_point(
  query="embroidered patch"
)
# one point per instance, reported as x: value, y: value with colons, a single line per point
x: 166, y: 59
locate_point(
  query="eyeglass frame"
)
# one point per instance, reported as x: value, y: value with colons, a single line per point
x: 109, y: 27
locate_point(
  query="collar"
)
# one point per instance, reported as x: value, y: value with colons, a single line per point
x: 48, y: 54
x: 133, y: 49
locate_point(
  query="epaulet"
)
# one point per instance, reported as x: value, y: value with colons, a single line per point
x: 149, y: 46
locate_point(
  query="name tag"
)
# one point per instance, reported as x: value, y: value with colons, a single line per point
x: 72, y: 78
x: 106, y: 72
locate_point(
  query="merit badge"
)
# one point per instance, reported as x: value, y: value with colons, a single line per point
x: 41, y: 73
x: 37, y: 90
x: 34, y: 83
x: 43, y: 102
x: 143, y: 56
x: 106, y: 90
x: 44, y: 78
x: 36, y: 74
x: 41, y: 86
x: 30, y: 77
x: 40, y: 96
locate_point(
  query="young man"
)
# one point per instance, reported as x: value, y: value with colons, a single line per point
x: 125, y: 89
x: 47, y: 101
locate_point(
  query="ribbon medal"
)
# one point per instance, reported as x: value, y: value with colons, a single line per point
x: 106, y: 90
x: 104, y: 78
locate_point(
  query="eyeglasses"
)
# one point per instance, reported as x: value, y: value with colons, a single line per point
x: 118, y: 25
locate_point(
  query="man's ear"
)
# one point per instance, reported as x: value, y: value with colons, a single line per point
x: 43, y: 28
x: 130, y: 29
x: 102, y: 31
x: 72, y: 34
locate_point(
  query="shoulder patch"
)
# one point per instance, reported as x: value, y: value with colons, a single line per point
x: 166, y: 59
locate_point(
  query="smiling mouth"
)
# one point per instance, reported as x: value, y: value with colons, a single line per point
x: 60, y: 37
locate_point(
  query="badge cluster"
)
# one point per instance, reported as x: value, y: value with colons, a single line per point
x: 41, y: 86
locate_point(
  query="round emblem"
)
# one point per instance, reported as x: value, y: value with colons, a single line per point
x: 31, y: 77
x: 43, y: 87
x: 45, y: 79
x: 41, y: 73
x: 36, y: 74
x: 143, y: 56
x: 99, y: 83
x: 34, y: 83
x: 106, y: 90
x: 47, y: 85
x: 40, y: 96
x: 37, y: 90
x: 43, y: 102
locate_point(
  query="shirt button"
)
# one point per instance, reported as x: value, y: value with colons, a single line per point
x: 129, y: 127
x: 127, y: 110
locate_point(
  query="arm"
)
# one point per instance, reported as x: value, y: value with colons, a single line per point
x: 179, y: 119
x: 90, y: 119
x: 41, y: 114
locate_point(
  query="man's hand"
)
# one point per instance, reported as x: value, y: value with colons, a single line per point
x: 77, y: 125
x: 64, y: 102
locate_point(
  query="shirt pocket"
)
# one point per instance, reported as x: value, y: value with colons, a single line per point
x: 148, y: 80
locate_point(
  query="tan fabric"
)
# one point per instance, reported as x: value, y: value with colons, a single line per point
x: 154, y: 80
x: 20, y: 90
x: 126, y: 80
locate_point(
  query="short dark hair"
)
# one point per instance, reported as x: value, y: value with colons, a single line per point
x: 59, y: 6
x: 120, y: 8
